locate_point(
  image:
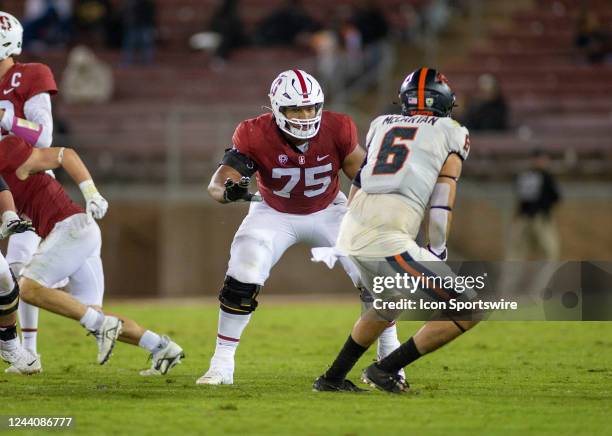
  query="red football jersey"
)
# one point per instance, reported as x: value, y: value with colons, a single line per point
x: 291, y: 181
x: 23, y: 81
x: 40, y: 197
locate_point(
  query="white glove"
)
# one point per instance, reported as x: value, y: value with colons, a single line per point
x: 96, y: 205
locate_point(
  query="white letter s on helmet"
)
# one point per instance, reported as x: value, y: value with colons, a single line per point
x: 297, y: 88
x: 11, y: 36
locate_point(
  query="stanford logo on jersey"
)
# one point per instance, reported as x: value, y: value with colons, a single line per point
x: 5, y: 24
x: 283, y: 159
x: 302, y: 160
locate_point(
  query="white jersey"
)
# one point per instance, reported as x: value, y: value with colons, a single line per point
x: 406, y: 154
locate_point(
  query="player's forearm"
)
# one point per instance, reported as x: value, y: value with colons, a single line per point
x: 30, y: 131
x: 74, y: 166
x: 441, y: 214
x: 216, y: 191
x: 439, y: 228
x: 7, y: 203
x: 216, y: 187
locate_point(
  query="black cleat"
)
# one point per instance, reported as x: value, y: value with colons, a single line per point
x: 321, y: 384
x: 386, y: 381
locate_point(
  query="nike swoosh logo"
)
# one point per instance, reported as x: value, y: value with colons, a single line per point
x: 31, y: 363
x: 320, y: 158
x: 8, y: 91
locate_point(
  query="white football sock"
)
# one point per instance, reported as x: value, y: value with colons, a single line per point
x: 92, y: 320
x: 28, y: 322
x: 388, y: 342
x: 10, y: 345
x: 228, y: 335
x: 13, y: 342
x: 150, y: 341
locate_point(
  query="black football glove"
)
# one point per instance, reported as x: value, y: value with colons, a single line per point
x: 237, y: 191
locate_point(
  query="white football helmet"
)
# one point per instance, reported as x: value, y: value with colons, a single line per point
x: 11, y: 36
x: 296, y: 88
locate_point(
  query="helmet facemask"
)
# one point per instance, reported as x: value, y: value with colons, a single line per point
x: 301, y: 128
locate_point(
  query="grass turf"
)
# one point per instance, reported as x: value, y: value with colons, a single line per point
x: 501, y: 378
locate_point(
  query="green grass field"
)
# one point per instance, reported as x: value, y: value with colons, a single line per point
x: 501, y: 378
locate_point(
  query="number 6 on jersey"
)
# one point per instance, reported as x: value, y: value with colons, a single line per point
x: 394, y: 150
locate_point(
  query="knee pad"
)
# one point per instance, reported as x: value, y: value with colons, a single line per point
x: 9, y: 302
x: 237, y: 297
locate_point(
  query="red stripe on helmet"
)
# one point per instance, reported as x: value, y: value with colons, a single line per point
x: 421, y: 89
x: 302, y: 82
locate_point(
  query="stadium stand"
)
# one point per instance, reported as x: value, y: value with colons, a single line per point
x: 557, y: 102
x: 183, y: 110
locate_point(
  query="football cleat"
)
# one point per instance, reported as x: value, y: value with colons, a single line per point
x: 216, y: 376
x: 401, y: 372
x: 167, y: 357
x: 322, y: 384
x: 150, y: 372
x: 106, y: 337
x: 14, y: 370
x: 22, y: 361
x: 386, y: 381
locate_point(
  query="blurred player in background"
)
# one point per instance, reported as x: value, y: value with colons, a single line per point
x: 70, y: 249
x: 414, y: 160
x: 25, y: 98
x: 297, y: 152
x: 534, y: 233
x: 11, y: 350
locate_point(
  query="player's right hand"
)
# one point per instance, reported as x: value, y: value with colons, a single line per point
x: 97, y: 206
x: 12, y: 224
x: 238, y: 191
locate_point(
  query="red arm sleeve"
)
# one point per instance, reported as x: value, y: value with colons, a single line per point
x: 14, y: 151
x: 40, y: 79
x: 240, y: 139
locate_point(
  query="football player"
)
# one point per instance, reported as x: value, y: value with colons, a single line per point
x: 297, y: 152
x: 70, y: 248
x: 25, y: 97
x: 11, y: 350
x: 413, y: 160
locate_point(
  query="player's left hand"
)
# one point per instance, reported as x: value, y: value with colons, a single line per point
x: 239, y: 191
x: 11, y: 224
x: 443, y: 255
x: 97, y: 206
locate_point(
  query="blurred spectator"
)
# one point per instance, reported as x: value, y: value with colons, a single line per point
x: 90, y: 18
x: 488, y: 110
x: 591, y: 40
x: 225, y: 32
x: 339, y: 51
x: 138, y: 31
x: 47, y: 23
x: 113, y: 24
x: 86, y: 78
x: 370, y: 21
x: 283, y: 26
x: 436, y: 15
x: 534, y: 233
x: 408, y: 22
